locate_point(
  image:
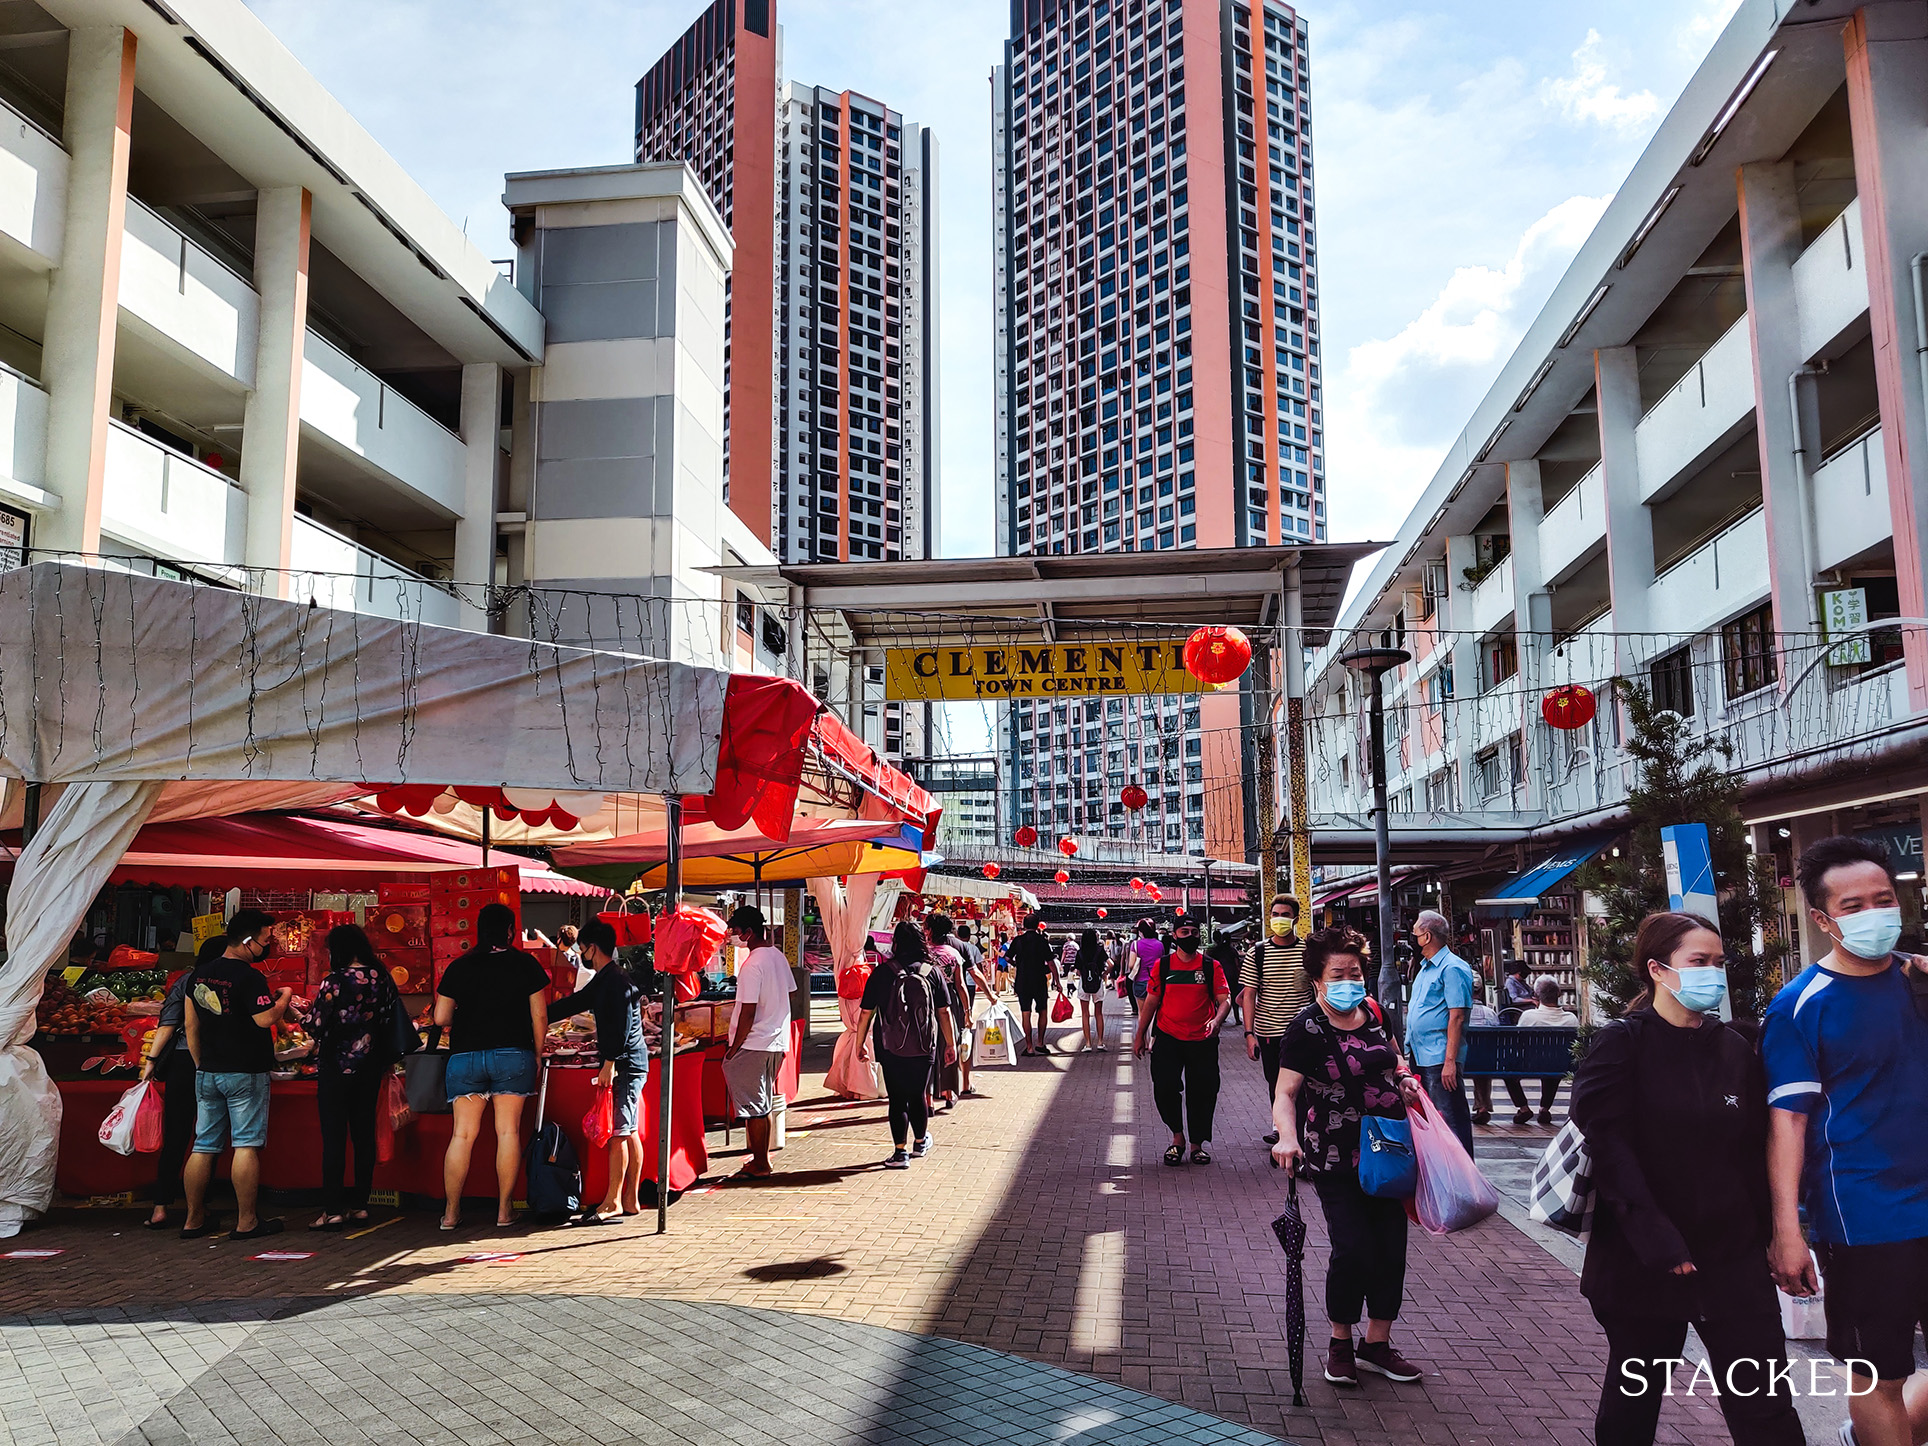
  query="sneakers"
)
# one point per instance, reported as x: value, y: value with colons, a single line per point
x: 1482, y: 1117
x: 1271, y: 1139
x: 1380, y: 1358
x: 1339, y: 1365
x: 922, y: 1148
x: 1546, y: 1117
x: 1522, y: 1116
x: 898, y: 1161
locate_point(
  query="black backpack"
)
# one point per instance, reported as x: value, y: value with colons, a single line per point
x: 907, y: 1023
x: 555, y: 1174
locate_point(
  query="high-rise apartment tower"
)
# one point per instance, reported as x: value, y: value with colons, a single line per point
x: 1157, y: 353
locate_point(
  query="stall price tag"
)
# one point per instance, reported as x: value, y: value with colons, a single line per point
x: 284, y: 1255
x: 489, y: 1257
x: 31, y: 1254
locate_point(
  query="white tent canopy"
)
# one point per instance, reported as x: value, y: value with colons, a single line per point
x: 118, y: 685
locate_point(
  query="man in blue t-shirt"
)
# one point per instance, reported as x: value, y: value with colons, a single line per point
x: 1846, y: 1050
x: 1436, y: 1018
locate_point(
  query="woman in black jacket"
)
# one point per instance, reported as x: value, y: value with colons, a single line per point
x: 615, y: 998
x: 1673, y: 1105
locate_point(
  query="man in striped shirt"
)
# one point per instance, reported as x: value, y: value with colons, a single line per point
x: 1275, y: 989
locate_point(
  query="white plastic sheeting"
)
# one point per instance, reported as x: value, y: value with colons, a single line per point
x: 111, y: 675
x: 55, y: 881
x: 845, y: 909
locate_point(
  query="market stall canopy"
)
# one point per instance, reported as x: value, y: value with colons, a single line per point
x: 185, y: 681
x: 963, y: 886
x: 261, y: 850
x: 1519, y: 895
x: 715, y: 857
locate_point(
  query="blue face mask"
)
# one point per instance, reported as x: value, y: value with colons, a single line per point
x: 1870, y: 934
x: 1702, y: 989
x: 1345, y: 995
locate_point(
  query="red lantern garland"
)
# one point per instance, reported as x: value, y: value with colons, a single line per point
x: 1568, y: 706
x: 1025, y: 836
x: 1133, y: 797
x: 1068, y: 847
x: 1217, y: 655
x: 991, y: 871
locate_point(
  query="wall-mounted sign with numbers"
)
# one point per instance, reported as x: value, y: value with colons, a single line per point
x: 15, y: 528
x: 1842, y: 612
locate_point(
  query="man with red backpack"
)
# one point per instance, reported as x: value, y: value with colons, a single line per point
x: 910, y: 1003
x: 1188, y: 999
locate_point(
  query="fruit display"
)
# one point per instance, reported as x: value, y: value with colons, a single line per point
x: 293, y: 1049
x: 129, y: 985
x: 63, y: 1010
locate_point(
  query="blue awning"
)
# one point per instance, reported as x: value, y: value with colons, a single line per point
x: 1520, y: 894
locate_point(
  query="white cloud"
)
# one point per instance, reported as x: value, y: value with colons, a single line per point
x: 1585, y: 94
x: 1397, y: 402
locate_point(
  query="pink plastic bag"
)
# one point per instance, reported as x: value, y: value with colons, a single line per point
x: 599, y: 1122
x: 1452, y: 1192
x: 117, y: 1131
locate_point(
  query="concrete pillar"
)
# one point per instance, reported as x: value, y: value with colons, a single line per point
x: 1532, y: 609
x: 271, y: 431
x: 83, y: 303
x: 1630, y: 528
x: 481, y: 426
x: 1462, y: 715
x: 1770, y: 245
x: 1887, y: 62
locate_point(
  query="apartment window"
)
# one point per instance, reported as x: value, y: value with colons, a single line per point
x: 1500, y: 660
x: 1671, y: 678
x: 1490, y: 773
x: 1432, y: 589
x: 1747, y: 652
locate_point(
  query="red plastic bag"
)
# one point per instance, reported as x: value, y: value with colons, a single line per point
x: 148, y: 1126
x: 851, y: 981
x: 599, y: 1123
x: 687, y: 940
x: 1060, y: 1009
x: 1452, y: 1192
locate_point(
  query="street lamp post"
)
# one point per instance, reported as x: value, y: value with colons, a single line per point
x: 1372, y: 664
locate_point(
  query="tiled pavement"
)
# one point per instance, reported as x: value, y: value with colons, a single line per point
x: 1043, y: 1226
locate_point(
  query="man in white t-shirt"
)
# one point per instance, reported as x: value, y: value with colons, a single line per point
x: 759, y: 1034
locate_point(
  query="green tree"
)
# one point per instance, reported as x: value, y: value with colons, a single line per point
x: 1681, y: 778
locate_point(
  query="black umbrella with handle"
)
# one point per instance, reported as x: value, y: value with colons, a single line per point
x: 1290, y: 1228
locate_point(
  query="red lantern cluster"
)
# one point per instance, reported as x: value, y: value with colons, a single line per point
x: 1133, y: 797
x: 1568, y: 706
x: 1062, y: 878
x: 991, y: 871
x: 1025, y: 836
x: 1068, y: 847
x: 1217, y: 655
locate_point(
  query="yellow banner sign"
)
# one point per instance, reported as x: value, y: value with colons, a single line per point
x: 928, y: 675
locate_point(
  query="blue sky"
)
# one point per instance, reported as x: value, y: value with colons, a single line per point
x: 1462, y: 152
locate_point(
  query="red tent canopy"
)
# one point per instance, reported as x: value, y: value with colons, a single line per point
x: 845, y: 752
x: 262, y: 850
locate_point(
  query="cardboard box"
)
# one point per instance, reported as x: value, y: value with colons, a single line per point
x: 413, y: 970
x: 412, y: 892
x: 399, y: 926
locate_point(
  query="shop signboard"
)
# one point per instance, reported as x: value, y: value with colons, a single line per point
x: 15, y: 537
x: 1901, y: 840
x: 1688, y: 854
x: 1842, y: 612
x: 1048, y: 671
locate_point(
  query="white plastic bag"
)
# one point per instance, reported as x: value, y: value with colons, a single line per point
x: 997, y: 1037
x: 1804, y: 1317
x: 117, y: 1130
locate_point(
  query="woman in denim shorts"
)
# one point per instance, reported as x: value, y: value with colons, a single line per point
x: 493, y: 1002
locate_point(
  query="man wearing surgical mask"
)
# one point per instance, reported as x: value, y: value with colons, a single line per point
x: 1273, y: 990
x: 1846, y: 1054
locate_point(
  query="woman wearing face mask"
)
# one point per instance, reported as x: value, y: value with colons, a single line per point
x: 1673, y: 1105
x: 1337, y: 1064
x: 1188, y: 1001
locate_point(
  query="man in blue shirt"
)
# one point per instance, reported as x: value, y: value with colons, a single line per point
x: 1442, y: 998
x: 1846, y: 1050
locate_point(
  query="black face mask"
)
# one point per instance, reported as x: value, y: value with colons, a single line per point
x: 1187, y: 942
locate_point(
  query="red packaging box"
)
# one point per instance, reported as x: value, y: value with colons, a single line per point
x: 288, y: 973
x: 409, y: 893
x: 399, y: 926
x: 449, y: 925
x: 413, y: 970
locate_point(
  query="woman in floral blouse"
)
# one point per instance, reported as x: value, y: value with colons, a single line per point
x: 1337, y: 1064
x: 350, y: 1024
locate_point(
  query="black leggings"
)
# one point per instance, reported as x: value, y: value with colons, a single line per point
x: 1184, y: 1082
x: 1269, y: 1062
x: 346, y: 1104
x: 176, y: 1080
x: 906, y: 1076
x: 1637, y: 1376
x: 1368, y: 1264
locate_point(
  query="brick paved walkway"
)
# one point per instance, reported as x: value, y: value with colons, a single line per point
x: 1043, y: 1225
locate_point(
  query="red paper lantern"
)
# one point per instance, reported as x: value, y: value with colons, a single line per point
x: 1026, y: 836
x: 1101, y: 913
x: 1179, y: 910
x: 1217, y: 655
x: 991, y: 871
x: 1568, y: 706
x: 1137, y: 884
x: 1133, y: 797
x: 1155, y: 892
x: 1068, y: 846
x: 1062, y: 877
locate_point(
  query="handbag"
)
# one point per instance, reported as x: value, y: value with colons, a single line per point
x: 1562, y: 1194
x: 403, y: 1038
x: 425, y: 1077
x: 1388, y: 1168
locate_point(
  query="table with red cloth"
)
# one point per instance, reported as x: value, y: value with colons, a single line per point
x: 716, y: 1092
x: 291, y: 1161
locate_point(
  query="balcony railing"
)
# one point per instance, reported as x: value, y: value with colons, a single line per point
x: 337, y: 572
x: 166, y: 504
x: 188, y: 295
x: 357, y: 415
x: 1715, y: 397
x: 33, y: 186
x: 23, y: 436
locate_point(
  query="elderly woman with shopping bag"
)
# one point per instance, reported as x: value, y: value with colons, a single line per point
x: 1340, y: 1067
